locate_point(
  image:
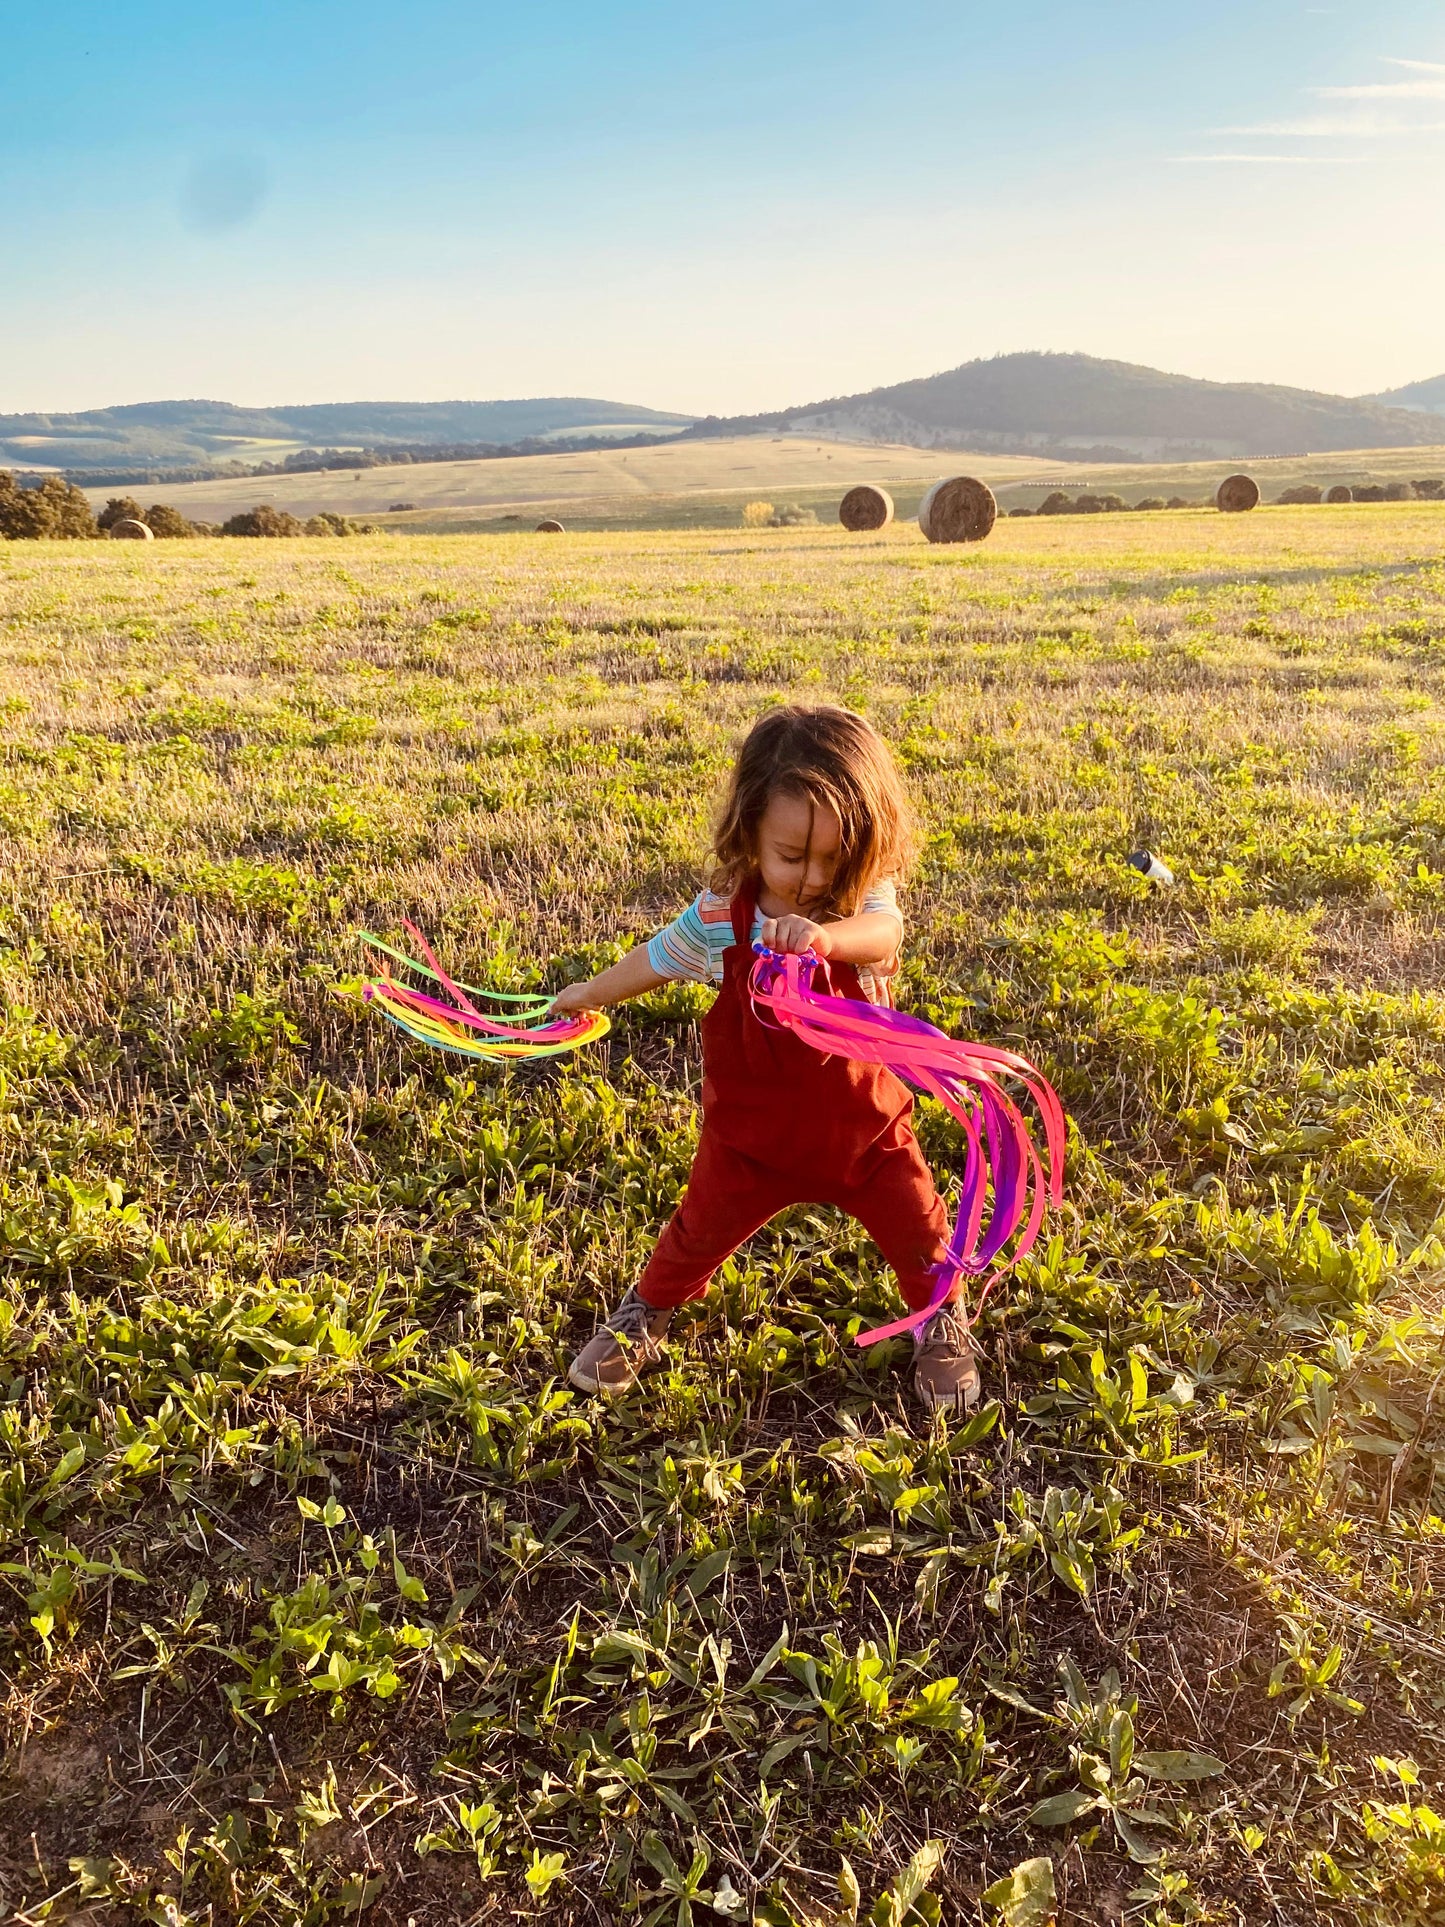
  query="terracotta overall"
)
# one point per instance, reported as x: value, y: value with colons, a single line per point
x: 783, y: 1125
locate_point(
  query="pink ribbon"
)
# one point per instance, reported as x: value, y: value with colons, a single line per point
x: 967, y: 1080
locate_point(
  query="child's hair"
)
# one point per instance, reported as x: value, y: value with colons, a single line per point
x: 829, y: 757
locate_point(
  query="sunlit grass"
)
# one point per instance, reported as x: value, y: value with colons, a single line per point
x: 326, y: 1594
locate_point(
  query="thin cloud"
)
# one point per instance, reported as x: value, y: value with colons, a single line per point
x: 1327, y: 129
x: 1361, y: 126
x: 1386, y: 90
x: 1270, y: 160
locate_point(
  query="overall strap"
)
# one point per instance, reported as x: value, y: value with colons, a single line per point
x: 743, y: 907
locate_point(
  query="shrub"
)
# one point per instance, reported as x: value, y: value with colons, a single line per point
x: 1305, y: 492
x: 120, y: 508
x: 1398, y: 491
x: 161, y: 519
x: 1178, y: 502
x: 1430, y: 490
x: 1056, y: 504
x: 1369, y: 492
x: 756, y: 515
x: 262, y: 520
x: 792, y: 517
x: 400, y: 508
x: 1151, y: 502
x: 1020, y: 511
x: 55, y: 512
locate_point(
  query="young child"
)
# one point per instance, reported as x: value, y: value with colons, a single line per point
x: 812, y: 836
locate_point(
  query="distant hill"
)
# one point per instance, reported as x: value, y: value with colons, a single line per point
x: 1061, y: 407
x: 175, y: 434
x: 1425, y: 397
x: 1078, y: 408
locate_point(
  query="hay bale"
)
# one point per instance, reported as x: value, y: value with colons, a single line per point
x: 864, y: 508
x: 1340, y: 493
x: 551, y: 526
x: 129, y: 530
x: 1237, y: 494
x: 959, y: 509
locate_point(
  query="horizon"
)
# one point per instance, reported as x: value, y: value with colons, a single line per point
x: 708, y: 215
x: 634, y: 401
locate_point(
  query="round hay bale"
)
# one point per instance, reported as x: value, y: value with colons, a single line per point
x: 130, y: 530
x: 1237, y: 494
x: 959, y: 509
x: 864, y: 508
x: 1340, y: 493
x: 551, y: 526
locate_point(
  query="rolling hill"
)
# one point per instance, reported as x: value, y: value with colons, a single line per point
x: 1058, y: 407
x: 1424, y: 397
x: 689, y: 483
x: 181, y: 434
x: 697, y: 479
x: 1078, y: 408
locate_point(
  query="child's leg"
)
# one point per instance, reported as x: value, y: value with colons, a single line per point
x: 728, y: 1198
x: 898, y: 1205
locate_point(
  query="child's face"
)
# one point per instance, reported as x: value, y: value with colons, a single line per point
x: 798, y: 849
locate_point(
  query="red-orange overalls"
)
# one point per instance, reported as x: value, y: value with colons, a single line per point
x: 782, y: 1125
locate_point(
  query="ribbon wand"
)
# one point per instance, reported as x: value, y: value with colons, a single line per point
x: 454, y: 1023
x: 969, y: 1081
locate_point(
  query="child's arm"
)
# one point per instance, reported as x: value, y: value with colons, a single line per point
x: 632, y: 977
x: 871, y: 938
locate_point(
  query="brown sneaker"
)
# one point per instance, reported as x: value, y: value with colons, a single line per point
x: 945, y: 1369
x: 614, y: 1355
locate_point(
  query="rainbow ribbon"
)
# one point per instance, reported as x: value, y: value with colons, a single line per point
x: 967, y: 1079
x: 459, y: 1026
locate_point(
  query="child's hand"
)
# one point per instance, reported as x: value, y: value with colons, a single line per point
x: 793, y: 935
x: 575, y: 998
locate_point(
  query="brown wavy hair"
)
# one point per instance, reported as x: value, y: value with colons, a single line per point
x: 829, y: 757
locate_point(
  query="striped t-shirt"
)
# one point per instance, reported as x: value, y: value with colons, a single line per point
x: 693, y: 944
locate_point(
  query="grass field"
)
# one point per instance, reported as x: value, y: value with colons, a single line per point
x: 325, y: 1597
x: 704, y: 484
x: 671, y: 481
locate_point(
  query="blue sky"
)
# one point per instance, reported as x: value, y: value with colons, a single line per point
x: 710, y: 208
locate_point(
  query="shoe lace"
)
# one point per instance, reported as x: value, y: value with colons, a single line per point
x: 949, y: 1326
x: 630, y: 1320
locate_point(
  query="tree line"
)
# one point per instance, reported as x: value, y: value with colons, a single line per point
x: 57, y: 511
x: 307, y: 461
x: 1430, y: 489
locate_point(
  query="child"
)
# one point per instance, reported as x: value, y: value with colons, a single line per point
x: 814, y: 831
